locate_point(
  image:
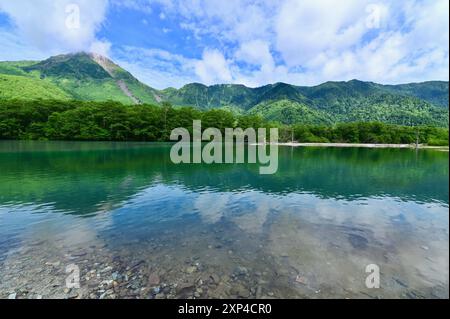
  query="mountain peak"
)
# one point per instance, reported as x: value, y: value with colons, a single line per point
x: 109, y: 66
x: 73, y: 65
x: 78, y: 54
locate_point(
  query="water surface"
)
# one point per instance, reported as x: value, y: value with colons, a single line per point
x: 138, y: 226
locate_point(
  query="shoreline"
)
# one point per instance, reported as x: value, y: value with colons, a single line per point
x: 291, y: 144
x: 365, y: 145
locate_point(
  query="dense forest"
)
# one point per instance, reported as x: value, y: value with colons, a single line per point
x: 113, y: 121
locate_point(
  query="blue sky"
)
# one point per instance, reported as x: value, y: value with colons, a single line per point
x: 173, y: 42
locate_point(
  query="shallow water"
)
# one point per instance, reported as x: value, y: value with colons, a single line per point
x: 138, y: 226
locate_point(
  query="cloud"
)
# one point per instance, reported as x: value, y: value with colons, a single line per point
x: 231, y: 21
x: 334, y: 45
x: 213, y: 68
x: 305, y: 29
x: 55, y: 26
x: 138, y: 5
x: 256, y: 52
x: 156, y: 67
x: 311, y: 41
x: 101, y: 47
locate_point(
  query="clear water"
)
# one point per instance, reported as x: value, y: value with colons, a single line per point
x: 138, y: 226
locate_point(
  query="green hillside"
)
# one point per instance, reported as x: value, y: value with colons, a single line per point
x: 82, y: 76
x: 20, y: 87
x: 435, y: 92
x: 289, y: 112
x: 15, y: 68
x: 330, y: 102
x: 215, y: 96
x: 91, y: 77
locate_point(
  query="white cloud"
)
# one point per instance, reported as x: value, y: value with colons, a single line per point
x: 256, y: 52
x: 139, y: 5
x: 307, y: 28
x: 101, y: 47
x: 333, y: 45
x: 56, y: 26
x: 228, y: 21
x: 213, y: 68
x: 158, y: 68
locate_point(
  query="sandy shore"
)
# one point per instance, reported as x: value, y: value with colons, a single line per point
x: 368, y: 145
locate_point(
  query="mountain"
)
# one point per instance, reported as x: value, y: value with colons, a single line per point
x: 92, y: 77
x: 82, y: 76
x: 327, y: 103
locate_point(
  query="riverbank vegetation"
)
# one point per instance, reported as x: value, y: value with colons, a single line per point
x: 113, y: 121
x: 372, y: 132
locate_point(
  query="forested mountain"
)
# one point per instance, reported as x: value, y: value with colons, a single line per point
x: 91, y: 77
x: 82, y: 76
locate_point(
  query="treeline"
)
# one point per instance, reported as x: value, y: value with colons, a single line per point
x: 106, y: 121
x: 112, y: 121
x: 372, y: 132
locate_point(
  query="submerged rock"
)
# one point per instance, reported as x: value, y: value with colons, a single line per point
x: 301, y: 280
x: 240, y: 291
x: 156, y: 290
x: 240, y: 271
x: 73, y: 295
x: 106, y: 269
x: 215, y: 278
x: 115, y: 276
x: 191, y: 269
x: 185, y: 288
x: 153, y: 279
x: 358, y: 241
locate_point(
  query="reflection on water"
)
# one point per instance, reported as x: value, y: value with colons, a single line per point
x: 139, y: 226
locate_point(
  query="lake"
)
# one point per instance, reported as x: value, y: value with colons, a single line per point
x: 136, y: 225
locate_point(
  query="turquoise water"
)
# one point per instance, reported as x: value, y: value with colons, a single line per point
x: 138, y: 226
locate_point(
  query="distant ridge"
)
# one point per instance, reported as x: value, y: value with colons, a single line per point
x: 93, y: 77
